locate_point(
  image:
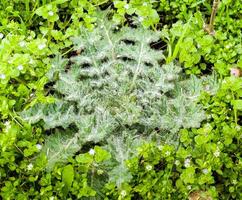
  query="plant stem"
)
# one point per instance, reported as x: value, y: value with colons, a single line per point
x: 51, y: 26
x: 215, y: 8
x: 235, y: 111
x: 27, y: 6
x: 170, y: 58
x: 71, y: 49
x: 210, y: 27
x: 33, y: 9
x: 100, y: 3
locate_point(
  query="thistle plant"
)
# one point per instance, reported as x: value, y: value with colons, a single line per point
x: 115, y: 85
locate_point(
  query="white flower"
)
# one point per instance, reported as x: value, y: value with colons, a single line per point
x: 126, y: 6
x: 1, y: 35
x: 216, y: 153
x: 20, y: 67
x: 30, y: 166
x: 238, y: 127
x: 160, y: 147
x: 2, y: 76
x: 92, y: 152
x: 95, y: 164
x: 41, y: 46
x: 31, y: 61
x: 205, y: 171
x: 123, y: 193
x: 148, y: 167
x: 7, y: 125
x: 177, y: 162
x: 22, y: 44
x: 50, y: 13
x: 228, y: 46
x: 187, y: 162
x: 209, y: 116
x: 189, y: 187
x: 39, y: 146
x: 140, y: 19
x: 168, y: 153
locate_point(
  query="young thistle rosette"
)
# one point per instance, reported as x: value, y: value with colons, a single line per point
x: 115, y: 84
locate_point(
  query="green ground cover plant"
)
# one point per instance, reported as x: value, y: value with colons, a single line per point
x: 143, y: 105
x: 198, y: 51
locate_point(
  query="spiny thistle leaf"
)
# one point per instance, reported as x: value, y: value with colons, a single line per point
x: 123, y: 148
x: 116, y: 84
x: 60, y: 147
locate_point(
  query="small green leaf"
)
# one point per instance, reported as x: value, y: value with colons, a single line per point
x: 101, y: 154
x: 201, y: 139
x: 67, y: 178
x: 188, y: 175
x: 184, y: 136
x: 84, y: 158
x: 237, y: 104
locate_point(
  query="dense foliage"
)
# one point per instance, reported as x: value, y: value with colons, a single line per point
x: 120, y: 100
